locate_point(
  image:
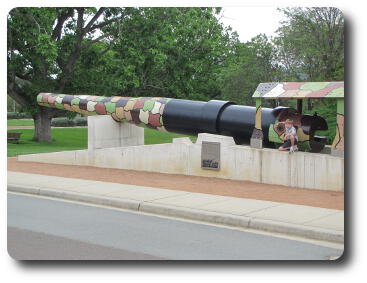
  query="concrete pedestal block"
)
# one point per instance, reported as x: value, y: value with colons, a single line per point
x: 227, y: 165
x: 256, y: 143
x: 223, y: 140
x: 336, y: 152
x: 104, y: 132
x: 184, y: 140
x: 326, y: 149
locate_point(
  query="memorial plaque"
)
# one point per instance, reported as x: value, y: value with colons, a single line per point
x: 210, y: 155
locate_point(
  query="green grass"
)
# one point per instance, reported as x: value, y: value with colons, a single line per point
x: 64, y: 139
x: 153, y: 137
x: 20, y: 123
x: 72, y: 139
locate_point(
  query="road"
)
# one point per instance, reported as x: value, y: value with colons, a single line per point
x: 29, y: 245
x: 43, y: 228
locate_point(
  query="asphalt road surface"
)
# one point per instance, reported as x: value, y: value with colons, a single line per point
x: 41, y: 228
x: 29, y: 245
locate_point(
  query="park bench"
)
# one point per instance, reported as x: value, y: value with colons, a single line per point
x: 14, y: 137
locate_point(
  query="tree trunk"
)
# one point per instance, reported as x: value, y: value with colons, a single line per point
x: 42, y: 123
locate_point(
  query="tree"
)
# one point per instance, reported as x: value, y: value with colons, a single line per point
x: 251, y: 64
x: 175, y: 52
x: 44, y: 45
x: 311, y: 41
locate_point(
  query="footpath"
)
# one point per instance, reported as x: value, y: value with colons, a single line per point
x: 277, y: 217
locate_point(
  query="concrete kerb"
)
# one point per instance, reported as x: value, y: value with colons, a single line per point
x: 195, y: 214
x: 190, y: 214
x: 22, y: 189
x: 74, y: 196
x: 296, y: 229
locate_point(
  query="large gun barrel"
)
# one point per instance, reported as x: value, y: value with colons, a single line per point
x: 191, y: 117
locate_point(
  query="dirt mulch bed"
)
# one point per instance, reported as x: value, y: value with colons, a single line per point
x: 216, y: 186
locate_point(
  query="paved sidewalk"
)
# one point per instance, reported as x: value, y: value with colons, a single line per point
x: 300, y: 220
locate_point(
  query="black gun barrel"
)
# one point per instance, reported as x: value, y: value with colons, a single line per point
x: 189, y: 117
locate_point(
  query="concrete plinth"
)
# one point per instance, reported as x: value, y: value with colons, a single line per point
x: 104, y: 132
x: 337, y: 152
x: 256, y: 143
x: 270, y: 166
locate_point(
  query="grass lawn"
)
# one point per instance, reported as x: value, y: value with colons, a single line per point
x: 154, y: 137
x: 64, y: 139
x: 72, y: 139
x: 20, y: 122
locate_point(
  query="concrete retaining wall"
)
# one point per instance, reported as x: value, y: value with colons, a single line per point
x: 300, y: 169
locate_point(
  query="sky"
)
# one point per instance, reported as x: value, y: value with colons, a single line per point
x: 250, y: 21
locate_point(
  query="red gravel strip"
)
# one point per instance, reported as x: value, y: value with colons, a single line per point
x: 216, y: 186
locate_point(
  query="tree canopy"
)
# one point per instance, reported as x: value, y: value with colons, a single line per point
x: 311, y: 41
x: 252, y: 63
x: 174, y: 52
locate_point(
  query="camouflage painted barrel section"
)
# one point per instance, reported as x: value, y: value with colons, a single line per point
x: 141, y: 111
x: 299, y: 90
x: 338, y: 142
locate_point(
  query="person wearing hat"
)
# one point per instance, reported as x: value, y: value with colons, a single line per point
x: 290, y: 137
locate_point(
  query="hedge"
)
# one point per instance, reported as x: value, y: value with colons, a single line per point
x: 56, y: 122
x: 65, y: 122
x: 81, y: 121
x: 18, y: 115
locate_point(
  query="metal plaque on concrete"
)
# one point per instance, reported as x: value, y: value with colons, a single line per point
x: 210, y: 155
